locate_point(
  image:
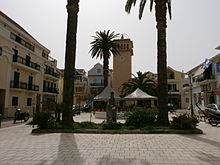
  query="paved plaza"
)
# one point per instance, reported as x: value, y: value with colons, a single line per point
x: 19, y: 147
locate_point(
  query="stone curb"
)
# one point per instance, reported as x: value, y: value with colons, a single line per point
x: 97, y: 131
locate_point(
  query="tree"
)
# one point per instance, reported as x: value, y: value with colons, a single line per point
x: 160, y: 13
x: 70, y: 56
x: 103, y: 47
x: 142, y: 82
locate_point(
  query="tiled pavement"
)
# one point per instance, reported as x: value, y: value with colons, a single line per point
x: 18, y: 146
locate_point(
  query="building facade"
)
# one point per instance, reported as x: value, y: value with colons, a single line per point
x: 205, y: 85
x: 176, y: 93
x: 28, y: 75
x: 80, y: 87
x: 96, y: 79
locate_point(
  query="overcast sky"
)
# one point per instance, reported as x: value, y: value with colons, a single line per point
x: 192, y: 34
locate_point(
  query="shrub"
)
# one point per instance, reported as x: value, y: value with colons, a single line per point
x: 184, y: 121
x: 85, y: 125
x: 111, y: 125
x: 141, y: 118
x: 41, y: 119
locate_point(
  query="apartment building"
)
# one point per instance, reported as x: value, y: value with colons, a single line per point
x: 80, y: 87
x: 176, y: 94
x: 96, y: 79
x: 28, y: 76
x: 205, y: 80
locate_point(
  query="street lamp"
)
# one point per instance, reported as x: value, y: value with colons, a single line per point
x: 190, y: 90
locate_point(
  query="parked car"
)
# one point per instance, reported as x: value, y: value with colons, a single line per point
x: 86, y: 108
x: 76, y: 110
x: 213, y: 109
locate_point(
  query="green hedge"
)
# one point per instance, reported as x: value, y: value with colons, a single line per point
x: 184, y: 121
x: 141, y: 118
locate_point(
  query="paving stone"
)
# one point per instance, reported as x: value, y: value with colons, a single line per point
x: 17, y: 145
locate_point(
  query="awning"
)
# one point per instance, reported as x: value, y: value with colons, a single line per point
x: 217, y: 91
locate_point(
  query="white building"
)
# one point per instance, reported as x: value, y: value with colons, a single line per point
x: 206, y: 82
x: 28, y: 74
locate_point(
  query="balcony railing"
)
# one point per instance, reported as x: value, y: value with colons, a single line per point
x: 25, y: 62
x: 54, y: 74
x: 50, y: 90
x: 49, y: 58
x: 96, y: 84
x: 211, y: 77
x: 23, y: 85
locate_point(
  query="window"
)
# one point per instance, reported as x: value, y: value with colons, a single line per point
x: 29, y: 101
x: 170, y: 76
x: 0, y: 51
x: 172, y: 88
x: 98, y: 70
x: 14, y: 101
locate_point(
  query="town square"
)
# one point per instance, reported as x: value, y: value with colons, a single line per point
x: 106, y: 82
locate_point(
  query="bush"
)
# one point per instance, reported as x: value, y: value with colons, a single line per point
x: 111, y: 125
x: 85, y: 125
x: 184, y: 121
x: 141, y: 118
x: 41, y: 119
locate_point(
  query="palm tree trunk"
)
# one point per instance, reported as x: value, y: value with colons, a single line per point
x: 105, y: 70
x: 161, y: 11
x: 70, y: 56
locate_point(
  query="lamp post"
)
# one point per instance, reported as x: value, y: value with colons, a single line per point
x: 33, y: 116
x: 190, y: 90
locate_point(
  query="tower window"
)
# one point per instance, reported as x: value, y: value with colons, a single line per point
x: 0, y: 51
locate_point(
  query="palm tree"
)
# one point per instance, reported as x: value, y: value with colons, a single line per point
x: 142, y: 82
x: 103, y: 47
x: 70, y: 56
x: 160, y: 13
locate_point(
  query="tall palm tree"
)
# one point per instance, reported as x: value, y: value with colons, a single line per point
x: 70, y: 56
x: 161, y: 18
x: 140, y: 81
x: 103, y: 47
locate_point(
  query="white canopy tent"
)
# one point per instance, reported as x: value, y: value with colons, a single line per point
x: 105, y: 95
x: 139, y: 95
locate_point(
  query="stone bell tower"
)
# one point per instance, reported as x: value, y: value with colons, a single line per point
x: 122, y: 63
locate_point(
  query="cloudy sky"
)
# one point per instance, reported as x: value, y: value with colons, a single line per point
x: 192, y: 34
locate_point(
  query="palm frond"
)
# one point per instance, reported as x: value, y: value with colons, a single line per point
x: 141, y: 8
x: 151, y: 4
x: 140, y: 81
x: 169, y: 8
x: 129, y: 5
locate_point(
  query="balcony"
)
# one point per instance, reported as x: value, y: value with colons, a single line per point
x: 96, y: 84
x: 25, y: 62
x: 50, y: 90
x: 205, y: 80
x: 23, y: 85
x: 54, y: 74
x: 49, y: 58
